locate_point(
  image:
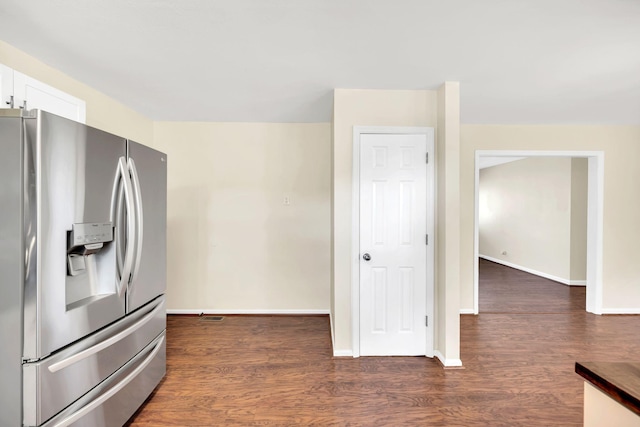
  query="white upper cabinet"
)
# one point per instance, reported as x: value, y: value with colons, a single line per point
x: 6, y: 86
x: 30, y: 93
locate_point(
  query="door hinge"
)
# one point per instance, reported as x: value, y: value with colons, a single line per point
x: 427, y: 158
x: 426, y: 239
x: 426, y: 320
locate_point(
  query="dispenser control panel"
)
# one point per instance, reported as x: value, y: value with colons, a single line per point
x: 88, y: 233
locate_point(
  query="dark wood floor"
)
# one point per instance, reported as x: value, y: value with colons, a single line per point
x: 506, y: 290
x: 518, y: 354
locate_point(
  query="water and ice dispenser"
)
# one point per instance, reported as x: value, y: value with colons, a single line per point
x: 90, y: 262
x: 85, y: 240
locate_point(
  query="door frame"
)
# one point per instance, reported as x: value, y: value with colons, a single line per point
x: 355, y: 228
x: 595, y: 209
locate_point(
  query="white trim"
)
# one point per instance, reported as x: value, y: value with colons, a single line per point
x: 355, y: 243
x: 621, y: 311
x: 355, y: 228
x: 447, y: 363
x: 247, y: 311
x: 343, y: 353
x: 595, y: 210
x: 535, y: 272
x: 467, y: 311
x: 476, y: 236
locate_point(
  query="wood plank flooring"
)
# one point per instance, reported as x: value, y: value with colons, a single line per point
x: 506, y: 290
x: 518, y: 357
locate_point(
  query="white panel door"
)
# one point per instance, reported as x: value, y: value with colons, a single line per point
x: 38, y: 95
x: 393, y: 249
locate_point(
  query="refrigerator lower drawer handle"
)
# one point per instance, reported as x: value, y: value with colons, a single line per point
x: 112, y: 391
x: 55, y: 367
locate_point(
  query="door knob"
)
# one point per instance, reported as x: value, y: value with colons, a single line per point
x: 366, y: 257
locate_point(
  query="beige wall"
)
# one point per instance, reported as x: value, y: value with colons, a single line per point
x: 102, y: 112
x: 233, y: 244
x: 447, y: 333
x: 525, y: 211
x: 361, y: 108
x: 621, y: 147
x: 578, y: 270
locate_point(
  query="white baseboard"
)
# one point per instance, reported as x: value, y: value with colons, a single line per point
x: 447, y: 363
x: 467, y: 311
x: 244, y: 311
x: 535, y: 272
x: 620, y: 311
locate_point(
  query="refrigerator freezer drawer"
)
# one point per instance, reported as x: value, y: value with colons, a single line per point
x: 52, y: 384
x: 113, y: 402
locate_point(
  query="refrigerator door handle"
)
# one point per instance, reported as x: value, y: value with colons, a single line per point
x: 117, y: 195
x: 118, y: 221
x: 125, y: 181
x: 112, y: 391
x: 104, y: 344
x: 131, y: 164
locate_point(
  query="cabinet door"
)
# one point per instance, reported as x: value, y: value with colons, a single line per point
x: 6, y: 86
x: 44, y: 97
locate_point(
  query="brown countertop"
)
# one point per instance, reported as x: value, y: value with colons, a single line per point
x: 618, y: 380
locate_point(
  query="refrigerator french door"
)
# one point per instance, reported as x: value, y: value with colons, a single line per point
x: 82, y: 272
x: 69, y: 289
x: 149, y: 176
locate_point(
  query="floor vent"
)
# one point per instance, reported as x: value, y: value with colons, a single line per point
x: 212, y: 318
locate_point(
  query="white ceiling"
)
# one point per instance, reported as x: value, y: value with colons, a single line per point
x: 487, y: 162
x: 517, y: 61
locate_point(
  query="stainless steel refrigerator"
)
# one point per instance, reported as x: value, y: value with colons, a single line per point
x: 82, y: 272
